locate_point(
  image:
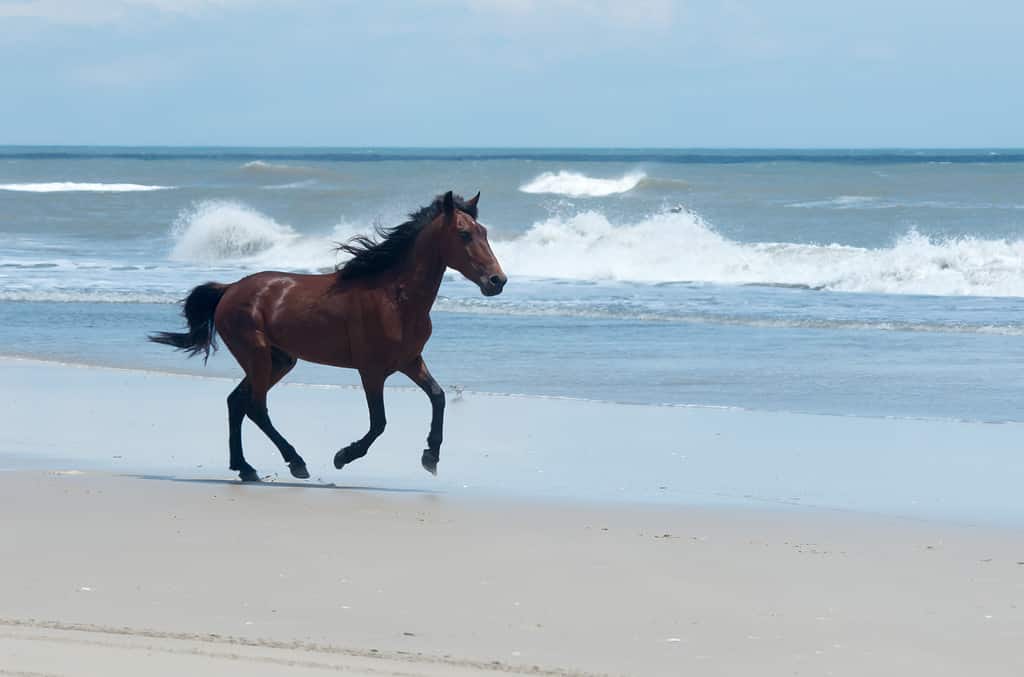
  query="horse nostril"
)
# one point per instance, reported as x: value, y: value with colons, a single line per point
x: 497, y: 281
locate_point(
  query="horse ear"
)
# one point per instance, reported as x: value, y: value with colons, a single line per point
x: 472, y: 203
x: 449, y: 203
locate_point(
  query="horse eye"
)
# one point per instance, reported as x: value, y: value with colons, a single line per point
x: 465, y: 235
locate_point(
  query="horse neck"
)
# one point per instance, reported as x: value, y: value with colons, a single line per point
x: 419, y: 276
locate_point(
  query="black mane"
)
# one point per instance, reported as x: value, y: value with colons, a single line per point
x: 372, y: 255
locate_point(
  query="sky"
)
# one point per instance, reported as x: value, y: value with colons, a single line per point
x: 513, y: 73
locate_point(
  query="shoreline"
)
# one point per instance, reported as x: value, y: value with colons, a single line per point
x: 455, y: 391
x: 153, y: 423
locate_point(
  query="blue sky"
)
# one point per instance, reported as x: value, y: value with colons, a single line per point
x: 651, y: 73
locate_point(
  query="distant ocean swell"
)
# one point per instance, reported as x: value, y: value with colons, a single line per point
x: 661, y: 247
x: 77, y: 187
x: 692, y: 156
x: 270, y: 168
x: 872, y: 202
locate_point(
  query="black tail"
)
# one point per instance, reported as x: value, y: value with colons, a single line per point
x: 198, y: 312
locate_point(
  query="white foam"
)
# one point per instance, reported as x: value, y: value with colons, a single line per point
x: 71, y: 186
x: 663, y: 247
x: 669, y: 247
x: 217, y: 231
x: 261, y: 166
x: 88, y: 296
x: 574, y: 184
x: 840, y: 202
x: 307, y: 183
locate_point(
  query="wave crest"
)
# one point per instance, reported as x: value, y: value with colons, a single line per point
x: 574, y: 184
x: 264, y: 167
x: 682, y: 247
x: 72, y: 186
x: 217, y: 231
x: 664, y: 247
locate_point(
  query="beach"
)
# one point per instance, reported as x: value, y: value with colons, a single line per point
x: 128, y: 544
x: 726, y: 301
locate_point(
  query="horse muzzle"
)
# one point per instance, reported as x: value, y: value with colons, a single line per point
x: 492, y: 286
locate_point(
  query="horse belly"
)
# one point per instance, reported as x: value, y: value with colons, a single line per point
x: 324, y: 344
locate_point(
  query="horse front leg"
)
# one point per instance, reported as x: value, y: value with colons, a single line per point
x: 373, y: 386
x: 420, y: 375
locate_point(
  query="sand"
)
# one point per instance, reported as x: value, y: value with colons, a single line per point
x: 144, y: 564
x: 104, y: 574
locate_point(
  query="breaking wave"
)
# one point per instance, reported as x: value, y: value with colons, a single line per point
x: 681, y: 246
x: 663, y: 247
x: 574, y: 184
x: 263, y: 167
x: 217, y: 231
x: 71, y: 186
x: 841, y: 202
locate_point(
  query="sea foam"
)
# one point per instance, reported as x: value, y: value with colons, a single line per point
x: 218, y: 231
x: 681, y: 246
x: 71, y: 186
x: 661, y: 247
x: 574, y: 184
x: 264, y: 167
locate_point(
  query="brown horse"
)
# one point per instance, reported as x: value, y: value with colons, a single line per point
x: 372, y: 314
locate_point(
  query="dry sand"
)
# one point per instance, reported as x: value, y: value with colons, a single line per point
x: 122, y: 575
x: 561, y: 538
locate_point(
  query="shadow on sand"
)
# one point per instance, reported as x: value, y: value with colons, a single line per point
x: 274, y: 484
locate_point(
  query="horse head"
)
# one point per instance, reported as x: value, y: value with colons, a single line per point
x: 465, y: 248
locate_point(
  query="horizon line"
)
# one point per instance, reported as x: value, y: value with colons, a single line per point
x: 520, y: 148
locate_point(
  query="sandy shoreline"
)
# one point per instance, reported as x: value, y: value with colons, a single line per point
x: 116, y: 420
x: 103, y: 571
x: 562, y: 537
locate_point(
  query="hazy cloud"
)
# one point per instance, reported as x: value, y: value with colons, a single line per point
x: 106, y: 11
x: 635, y: 12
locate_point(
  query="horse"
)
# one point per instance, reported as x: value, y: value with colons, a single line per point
x: 371, y: 313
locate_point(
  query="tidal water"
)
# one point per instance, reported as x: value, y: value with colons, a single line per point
x: 881, y: 283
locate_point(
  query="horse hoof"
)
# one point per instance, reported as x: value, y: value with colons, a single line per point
x: 340, y: 460
x: 249, y: 475
x: 429, y: 462
x: 298, y: 469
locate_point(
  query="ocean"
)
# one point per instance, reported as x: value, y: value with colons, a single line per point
x: 855, y: 283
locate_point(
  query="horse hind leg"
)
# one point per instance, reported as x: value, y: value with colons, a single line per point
x: 264, y: 366
x: 266, y: 374
x: 238, y: 402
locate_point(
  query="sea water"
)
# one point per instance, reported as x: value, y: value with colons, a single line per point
x: 881, y: 283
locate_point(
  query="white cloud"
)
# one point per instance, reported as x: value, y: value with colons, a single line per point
x: 107, y: 11
x: 650, y: 13
x: 618, y: 13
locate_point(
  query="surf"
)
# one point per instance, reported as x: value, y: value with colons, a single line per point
x: 681, y: 246
x: 72, y: 187
x: 575, y: 184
